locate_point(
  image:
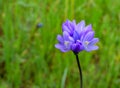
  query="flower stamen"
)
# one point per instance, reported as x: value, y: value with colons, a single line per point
x: 66, y: 43
x: 86, y: 42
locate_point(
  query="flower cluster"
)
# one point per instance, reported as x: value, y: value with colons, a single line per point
x: 76, y: 37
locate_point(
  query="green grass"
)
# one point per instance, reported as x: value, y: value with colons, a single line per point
x: 28, y: 58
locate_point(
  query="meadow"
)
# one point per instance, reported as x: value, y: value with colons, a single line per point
x: 29, y: 59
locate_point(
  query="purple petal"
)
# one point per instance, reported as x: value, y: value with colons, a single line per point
x: 73, y: 24
x: 65, y: 28
x: 90, y: 48
x: 93, y: 41
x: 88, y: 28
x: 76, y: 48
x: 71, y: 39
x: 88, y: 36
x: 61, y: 48
x: 69, y: 27
x: 65, y: 35
x: 68, y: 24
x: 64, y: 50
x: 76, y: 35
x: 80, y: 26
x: 60, y: 39
x: 79, y: 42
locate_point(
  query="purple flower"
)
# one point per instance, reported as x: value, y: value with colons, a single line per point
x: 76, y: 37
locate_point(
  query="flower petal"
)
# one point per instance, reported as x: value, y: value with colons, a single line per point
x: 75, y: 47
x: 60, y: 39
x: 89, y: 36
x: 90, y: 48
x: 65, y: 28
x: 88, y: 28
x: 61, y: 47
x: 65, y: 35
x: 93, y: 41
x: 68, y: 25
x: 64, y: 50
x: 80, y: 26
x: 76, y: 35
x: 71, y: 39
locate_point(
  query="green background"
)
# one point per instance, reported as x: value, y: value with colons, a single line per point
x: 28, y: 58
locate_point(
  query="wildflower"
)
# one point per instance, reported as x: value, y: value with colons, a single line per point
x: 76, y: 37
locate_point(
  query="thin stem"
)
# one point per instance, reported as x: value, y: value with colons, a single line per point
x: 77, y: 58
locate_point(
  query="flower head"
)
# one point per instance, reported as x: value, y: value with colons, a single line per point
x: 76, y: 37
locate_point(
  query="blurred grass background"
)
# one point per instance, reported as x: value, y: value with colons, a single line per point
x: 28, y: 58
